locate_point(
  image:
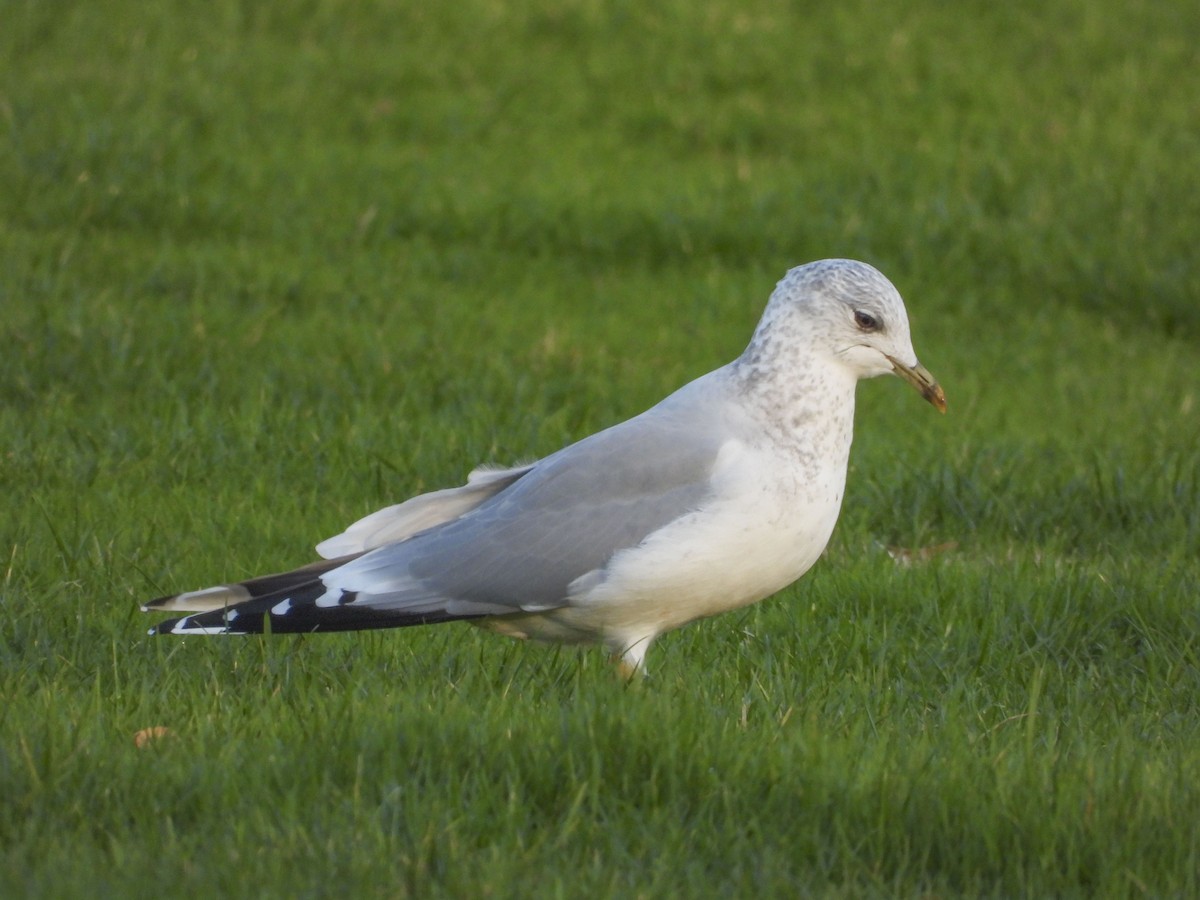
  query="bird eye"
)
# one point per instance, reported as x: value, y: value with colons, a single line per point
x: 865, y: 321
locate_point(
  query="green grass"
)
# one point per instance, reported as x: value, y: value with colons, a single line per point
x: 262, y: 271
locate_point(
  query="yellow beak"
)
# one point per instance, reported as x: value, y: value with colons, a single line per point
x: 918, y: 376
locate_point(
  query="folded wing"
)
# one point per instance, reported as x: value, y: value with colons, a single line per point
x: 510, y: 541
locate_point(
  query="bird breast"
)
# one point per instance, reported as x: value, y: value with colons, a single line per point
x: 765, y: 525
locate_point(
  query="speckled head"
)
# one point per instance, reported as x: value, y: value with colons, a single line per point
x: 843, y: 311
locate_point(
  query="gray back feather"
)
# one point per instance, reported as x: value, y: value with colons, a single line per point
x: 522, y: 548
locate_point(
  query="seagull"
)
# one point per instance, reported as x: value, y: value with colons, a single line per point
x: 720, y: 495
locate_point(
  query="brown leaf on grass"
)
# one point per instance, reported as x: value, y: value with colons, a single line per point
x: 146, y: 735
x: 909, y: 556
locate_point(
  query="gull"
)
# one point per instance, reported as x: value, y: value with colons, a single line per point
x: 718, y: 496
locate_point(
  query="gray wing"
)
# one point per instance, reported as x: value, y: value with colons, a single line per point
x: 402, y: 521
x: 565, y: 517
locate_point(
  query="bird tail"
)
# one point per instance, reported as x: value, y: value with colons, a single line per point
x: 224, y: 596
x: 288, y: 602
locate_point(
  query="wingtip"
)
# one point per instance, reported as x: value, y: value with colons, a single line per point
x: 185, y: 627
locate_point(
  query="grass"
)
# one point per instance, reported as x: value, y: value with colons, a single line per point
x: 266, y: 270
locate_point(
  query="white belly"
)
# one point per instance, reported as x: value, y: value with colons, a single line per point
x: 762, y: 529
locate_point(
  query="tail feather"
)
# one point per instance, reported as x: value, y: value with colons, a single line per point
x: 224, y: 596
x: 289, y: 602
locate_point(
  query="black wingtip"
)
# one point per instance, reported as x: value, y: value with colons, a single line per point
x: 257, y: 617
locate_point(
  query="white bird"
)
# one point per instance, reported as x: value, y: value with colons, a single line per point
x: 720, y: 495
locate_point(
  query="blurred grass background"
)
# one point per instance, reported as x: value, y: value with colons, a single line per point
x: 267, y: 269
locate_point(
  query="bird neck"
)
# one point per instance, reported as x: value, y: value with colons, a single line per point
x: 806, y: 402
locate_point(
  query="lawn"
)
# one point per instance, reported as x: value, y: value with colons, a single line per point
x: 264, y: 270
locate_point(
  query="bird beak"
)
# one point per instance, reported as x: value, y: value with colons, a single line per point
x: 918, y: 376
